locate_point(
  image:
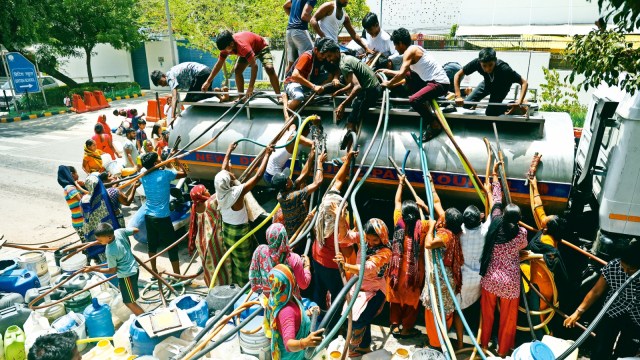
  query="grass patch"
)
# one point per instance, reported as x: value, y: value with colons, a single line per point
x: 51, y: 109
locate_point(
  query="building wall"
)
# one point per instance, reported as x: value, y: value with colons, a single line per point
x: 439, y: 15
x: 107, y: 64
x: 159, y: 58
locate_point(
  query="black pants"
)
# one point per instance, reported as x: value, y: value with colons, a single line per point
x: 607, y: 332
x: 366, y: 99
x: 160, y: 233
x: 325, y: 279
x: 495, y: 96
x: 197, y: 86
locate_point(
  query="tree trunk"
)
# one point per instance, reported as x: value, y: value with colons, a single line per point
x: 89, y: 73
x: 49, y: 69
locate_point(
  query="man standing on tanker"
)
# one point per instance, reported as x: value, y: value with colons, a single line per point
x: 498, y: 77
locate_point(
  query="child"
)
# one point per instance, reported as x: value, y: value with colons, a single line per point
x: 120, y: 261
x: 55, y: 347
x: 163, y: 142
x: 141, y: 136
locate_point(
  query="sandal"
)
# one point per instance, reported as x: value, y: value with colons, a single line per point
x: 413, y: 333
x: 394, y: 329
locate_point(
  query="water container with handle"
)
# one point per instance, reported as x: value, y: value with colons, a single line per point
x: 98, y: 318
x: 14, y: 344
x: 35, y: 326
x: 18, y: 281
x: 13, y: 315
x: 78, y: 303
x: 102, y: 350
x: 36, y: 262
x: 169, y: 348
x: 8, y: 299
x: 195, y: 308
x: 220, y: 296
x: 1, y: 348
x: 141, y: 343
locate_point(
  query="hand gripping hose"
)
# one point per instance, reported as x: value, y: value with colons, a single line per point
x: 254, y: 230
x: 363, y: 243
x: 428, y: 187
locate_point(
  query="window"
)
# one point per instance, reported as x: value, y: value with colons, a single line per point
x: 48, y: 81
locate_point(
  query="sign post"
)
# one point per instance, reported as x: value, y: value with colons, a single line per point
x: 23, y: 74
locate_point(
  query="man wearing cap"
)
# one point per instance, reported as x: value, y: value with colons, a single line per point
x: 130, y: 149
x: 292, y: 201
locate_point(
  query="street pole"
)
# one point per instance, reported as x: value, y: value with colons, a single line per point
x: 35, y: 57
x: 6, y: 70
x: 171, y: 40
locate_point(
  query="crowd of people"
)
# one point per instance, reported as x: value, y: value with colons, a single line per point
x: 480, y: 252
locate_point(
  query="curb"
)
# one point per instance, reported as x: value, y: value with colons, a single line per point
x: 32, y: 116
x: 126, y: 97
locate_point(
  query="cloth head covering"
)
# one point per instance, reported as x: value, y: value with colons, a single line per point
x: 282, y: 283
x: 397, y: 249
x: 94, y: 155
x: 197, y: 197
x: 227, y: 193
x: 327, y: 216
x: 64, y: 176
x: 374, y: 253
x: 266, y: 257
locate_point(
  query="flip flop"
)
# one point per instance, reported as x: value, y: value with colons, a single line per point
x: 413, y: 333
x: 394, y: 329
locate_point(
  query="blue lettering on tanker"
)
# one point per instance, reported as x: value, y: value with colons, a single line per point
x: 388, y: 174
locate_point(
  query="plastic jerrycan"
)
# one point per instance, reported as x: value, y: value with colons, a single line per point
x: 98, y: 320
x: 14, y: 344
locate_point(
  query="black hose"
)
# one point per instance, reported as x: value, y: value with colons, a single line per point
x: 526, y: 307
x: 596, y: 320
x: 217, y: 318
x: 226, y: 336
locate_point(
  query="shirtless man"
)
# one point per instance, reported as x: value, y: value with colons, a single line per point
x: 330, y: 17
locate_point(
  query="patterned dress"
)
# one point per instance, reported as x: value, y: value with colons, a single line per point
x: 209, y: 242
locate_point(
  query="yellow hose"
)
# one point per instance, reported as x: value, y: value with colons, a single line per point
x: 254, y: 230
x: 90, y: 340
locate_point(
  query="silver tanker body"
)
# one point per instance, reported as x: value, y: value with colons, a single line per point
x: 550, y: 134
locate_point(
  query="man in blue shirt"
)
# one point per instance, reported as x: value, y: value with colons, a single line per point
x: 120, y: 261
x: 156, y: 186
x: 297, y: 36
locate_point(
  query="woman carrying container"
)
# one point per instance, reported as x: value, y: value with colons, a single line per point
x: 285, y: 321
x: 500, y: 271
x: 405, y: 277
x: 277, y: 251
x: 235, y: 219
x: 372, y: 296
x: 205, y: 234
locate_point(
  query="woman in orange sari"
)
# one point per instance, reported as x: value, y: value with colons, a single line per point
x: 92, y: 160
x: 405, y: 277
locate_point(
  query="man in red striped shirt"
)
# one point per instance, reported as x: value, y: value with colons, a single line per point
x: 247, y: 46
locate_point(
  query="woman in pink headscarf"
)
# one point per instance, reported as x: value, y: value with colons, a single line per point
x: 205, y: 234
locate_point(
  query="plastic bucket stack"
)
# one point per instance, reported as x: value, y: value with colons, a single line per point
x: 74, y: 263
x: 257, y: 344
x: 36, y: 261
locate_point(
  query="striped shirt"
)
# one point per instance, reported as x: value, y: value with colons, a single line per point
x: 71, y: 196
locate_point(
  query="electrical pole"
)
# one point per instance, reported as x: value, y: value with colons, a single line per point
x: 174, y: 61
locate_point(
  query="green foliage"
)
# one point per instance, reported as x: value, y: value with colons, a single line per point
x: 80, y: 25
x: 625, y: 13
x: 558, y: 96
x: 605, y: 56
x: 22, y: 22
x: 453, y: 31
x: 198, y: 21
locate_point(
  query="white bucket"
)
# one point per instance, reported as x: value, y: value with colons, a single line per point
x: 36, y: 261
x: 169, y: 348
x: 74, y: 263
x: 257, y: 344
x: 79, y: 328
x: 113, y: 167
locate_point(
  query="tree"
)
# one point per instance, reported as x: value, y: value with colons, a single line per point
x: 605, y: 55
x: 79, y: 25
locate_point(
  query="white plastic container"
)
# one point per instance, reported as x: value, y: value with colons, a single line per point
x: 558, y: 346
x: 1, y: 348
x: 169, y: 348
x: 190, y: 333
x: 79, y: 327
x: 121, y: 337
x: 119, y: 353
x: 102, y: 350
x: 74, y: 263
x: 37, y: 262
x: 334, y: 349
x: 257, y: 344
x: 119, y: 309
x: 35, y: 326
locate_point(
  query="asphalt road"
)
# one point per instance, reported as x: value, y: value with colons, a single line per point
x: 32, y: 205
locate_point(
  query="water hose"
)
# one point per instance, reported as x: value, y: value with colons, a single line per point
x: 466, y: 164
x: 254, y: 230
x: 598, y: 317
x: 343, y: 203
x: 445, y: 343
x: 363, y: 243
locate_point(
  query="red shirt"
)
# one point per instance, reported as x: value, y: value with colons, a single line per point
x: 248, y: 45
x: 324, y: 255
x: 304, y: 65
